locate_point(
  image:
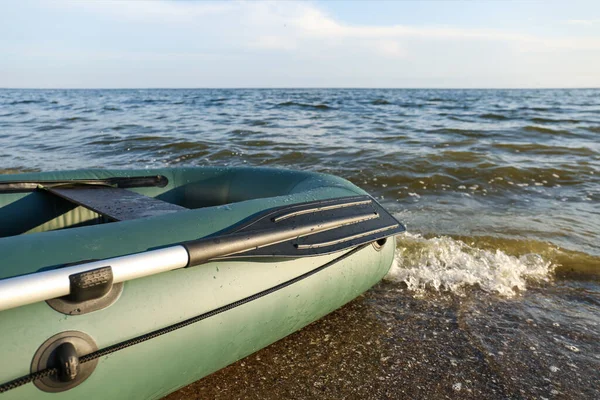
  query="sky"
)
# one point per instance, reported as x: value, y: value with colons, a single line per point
x: 383, y: 44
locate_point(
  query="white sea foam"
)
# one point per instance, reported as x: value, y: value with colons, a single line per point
x: 445, y: 264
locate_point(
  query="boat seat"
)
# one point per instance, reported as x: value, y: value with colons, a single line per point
x: 114, y: 203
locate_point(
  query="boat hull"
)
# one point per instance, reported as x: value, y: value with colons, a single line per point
x: 158, y: 366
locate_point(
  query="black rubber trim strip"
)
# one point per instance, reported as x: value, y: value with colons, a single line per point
x: 139, y: 339
x: 121, y: 182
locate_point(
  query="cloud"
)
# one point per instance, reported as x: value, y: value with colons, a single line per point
x: 248, y: 43
x: 315, y: 23
x: 584, y: 22
x: 152, y: 11
x: 271, y: 42
x: 391, y: 48
x: 285, y: 25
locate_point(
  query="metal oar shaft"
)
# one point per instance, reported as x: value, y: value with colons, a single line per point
x: 46, y: 285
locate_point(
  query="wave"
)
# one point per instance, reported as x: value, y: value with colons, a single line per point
x: 504, y: 267
x: 243, y: 132
x: 458, y: 143
x: 457, y: 156
x: 257, y: 123
x: 554, y: 121
x: 185, y: 145
x: 510, y: 176
x: 449, y: 130
x: 12, y: 114
x: 496, y: 117
x: 431, y: 176
x: 536, y: 148
x: 154, y: 101
x: 17, y: 102
x: 454, y: 165
x: 444, y: 264
x: 186, y: 158
x: 109, y: 139
x: 111, y: 108
x: 77, y: 119
x: 569, y: 264
x: 464, y: 132
x: 541, y: 129
x: 156, y: 144
x: 145, y: 138
x: 45, y: 128
x: 304, y: 105
x: 138, y: 101
x: 380, y: 102
x: 125, y: 126
x: 542, y: 109
x: 258, y: 143
x: 412, y: 105
x: 595, y: 129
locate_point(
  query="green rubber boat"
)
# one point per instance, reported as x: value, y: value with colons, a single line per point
x: 131, y: 284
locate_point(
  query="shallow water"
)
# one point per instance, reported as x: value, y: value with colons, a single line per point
x: 495, y: 291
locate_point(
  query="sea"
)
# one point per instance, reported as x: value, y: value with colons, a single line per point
x: 495, y: 288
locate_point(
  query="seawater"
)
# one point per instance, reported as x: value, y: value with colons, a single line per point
x: 495, y: 290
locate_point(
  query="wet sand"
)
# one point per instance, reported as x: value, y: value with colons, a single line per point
x: 387, y: 344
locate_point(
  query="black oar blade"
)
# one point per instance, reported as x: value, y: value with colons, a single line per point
x: 350, y: 221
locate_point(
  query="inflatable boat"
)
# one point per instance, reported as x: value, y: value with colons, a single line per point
x: 131, y: 284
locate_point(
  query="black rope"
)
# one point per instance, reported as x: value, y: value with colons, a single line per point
x: 5, y: 387
x: 151, y: 335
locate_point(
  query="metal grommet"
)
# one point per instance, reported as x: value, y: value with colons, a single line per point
x: 52, y: 352
x: 378, y: 244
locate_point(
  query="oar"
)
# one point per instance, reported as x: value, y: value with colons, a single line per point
x: 300, y: 230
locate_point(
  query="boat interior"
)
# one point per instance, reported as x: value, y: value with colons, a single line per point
x: 30, y: 206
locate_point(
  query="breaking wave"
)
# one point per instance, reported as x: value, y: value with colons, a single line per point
x: 444, y: 264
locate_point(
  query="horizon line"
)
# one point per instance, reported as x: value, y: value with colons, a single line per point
x: 305, y: 87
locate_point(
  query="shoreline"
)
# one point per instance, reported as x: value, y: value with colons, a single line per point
x: 389, y: 344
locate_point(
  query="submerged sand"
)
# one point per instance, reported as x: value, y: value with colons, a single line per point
x: 390, y: 344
